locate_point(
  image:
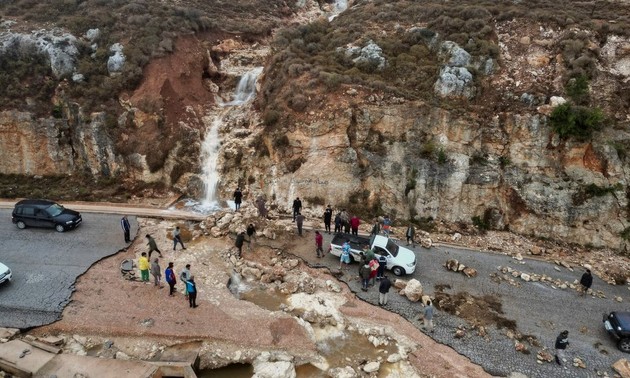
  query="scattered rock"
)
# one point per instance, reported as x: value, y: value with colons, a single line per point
x: 413, y: 290
x: 622, y: 367
x: 53, y: 340
x: 116, y: 62
x: 456, y: 237
x: 544, y: 355
x: 619, y: 299
x: 333, y: 286
x: 518, y: 257
x: 469, y: 272
x: 452, y: 265
x: 342, y: 372
x: 460, y: 333
x: 426, y: 243
x: 372, y: 367
x: 400, y: 284
x: 525, y: 277
x: 577, y: 362
x: 393, y: 358
x: 536, y: 250
x: 520, y: 347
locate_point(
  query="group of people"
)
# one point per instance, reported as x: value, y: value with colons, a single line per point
x: 190, y: 289
x: 240, y: 238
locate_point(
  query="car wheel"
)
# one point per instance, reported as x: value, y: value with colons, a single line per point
x: 59, y: 228
x: 398, y: 271
x: 21, y: 225
x: 624, y: 345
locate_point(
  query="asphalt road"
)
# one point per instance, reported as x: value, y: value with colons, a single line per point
x: 538, y: 309
x: 46, y: 264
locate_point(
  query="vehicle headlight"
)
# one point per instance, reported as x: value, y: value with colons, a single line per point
x: 411, y: 265
x: 69, y: 222
x: 618, y: 328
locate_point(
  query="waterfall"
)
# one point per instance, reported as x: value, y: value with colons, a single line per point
x: 245, y: 92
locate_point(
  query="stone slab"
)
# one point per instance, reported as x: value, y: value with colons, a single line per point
x: 70, y: 365
x: 32, y: 358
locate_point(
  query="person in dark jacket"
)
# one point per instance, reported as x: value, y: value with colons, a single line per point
x: 191, y: 287
x: 383, y: 289
x: 299, y: 220
x: 338, y: 223
x: 562, y: 341
x: 411, y: 232
x: 327, y: 218
x: 382, y: 264
x: 297, y: 207
x: 152, y: 246
x: 586, y: 281
x: 240, y: 239
x: 238, y: 196
x: 169, y: 275
x: 364, y: 272
x: 376, y: 229
x: 251, y: 234
x: 124, y: 223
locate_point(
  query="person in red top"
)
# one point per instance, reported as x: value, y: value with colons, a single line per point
x: 354, y: 223
x: 373, y: 264
x: 319, y: 242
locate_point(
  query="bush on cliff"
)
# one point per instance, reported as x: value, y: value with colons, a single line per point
x: 576, y: 121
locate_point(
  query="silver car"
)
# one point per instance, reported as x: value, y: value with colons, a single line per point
x: 5, y: 273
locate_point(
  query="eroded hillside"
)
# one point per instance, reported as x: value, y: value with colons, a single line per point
x: 505, y: 115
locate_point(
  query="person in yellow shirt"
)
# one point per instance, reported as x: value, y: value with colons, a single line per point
x: 143, y: 265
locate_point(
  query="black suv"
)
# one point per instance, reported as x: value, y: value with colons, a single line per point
x: 43, y: 213
x: 617, y: 323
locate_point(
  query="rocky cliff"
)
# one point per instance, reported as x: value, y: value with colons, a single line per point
x: 406, y: 108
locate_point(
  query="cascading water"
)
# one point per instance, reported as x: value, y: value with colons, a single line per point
x: 245, y: 92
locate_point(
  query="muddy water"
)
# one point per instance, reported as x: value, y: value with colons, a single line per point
x: 230, y: 371
x: 268, y: 299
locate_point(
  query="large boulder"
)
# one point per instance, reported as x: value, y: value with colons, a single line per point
x: 622, y: 367
x: 116, y: 61
x: 454, y: 82
x: 413, y: 290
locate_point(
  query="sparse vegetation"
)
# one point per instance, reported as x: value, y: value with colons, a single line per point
x: 589, y: 191
x: 315, y: 200
x: 576, y: 121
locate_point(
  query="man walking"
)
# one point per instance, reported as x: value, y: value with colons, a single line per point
x: 240, y: 239
x: 562, y: 341
x: 387, y: 225
x: 327, y: 218
x: 383, y: 289
x: 411, y: 231
x: 238, y: 195
x: 354, y: 224
x: 299, y: 219
x: 191, y: 289
x: 428, y: 316
x: 177, y: 238
x: 376, y: 229
x: 260, y: 205
x: 251, y: 234
x: 152, y: 246
x: 169, y: 274
x: 184, y: 276
x: 319, y: 242
x: 586, y: 281
x: 143, y: 265
x: 156, y: 272
x: 124, y: 223
x: 297, y: 206
x: 338, y: 223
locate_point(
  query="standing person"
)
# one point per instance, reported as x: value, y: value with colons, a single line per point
x: 373, y: 270
x: 344, y: 258
x: 191, y: 289
x: 156, y: 272
x: 387, y: 225
x: 364, y: 272
x: 562, y: 341
x: 238, y: 196
x: 383, y: 289
x: 143, y: 265
x: 185, y: 276
x: 428, y: 316
x: 338, y: 223
x: 319, y: 242
x: 345, y: 221
x: 327, y: 218
x: 169, y: 275
x: 260, y: 204
x: 152, y: 246
x: 251, y: 234
x: 240, y: 239
x: 354, y: 223
x: 376, y: 229
x: 586, y: 281
x: 124, y: 223
x: 297, y: 206
x: 382, y: 264
x: 411, y: 231
x: 177, y: 238
x: 299, y: 219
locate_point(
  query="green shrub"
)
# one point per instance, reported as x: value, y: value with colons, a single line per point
x: 480, y: 223
x: 576, y: 121
x: 577, y: 89
x: 625, y: 234
x: 315, y: 200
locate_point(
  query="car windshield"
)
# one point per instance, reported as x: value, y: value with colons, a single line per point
x: 54, y: 210
x: 624, y: 319
x: 392, y: 247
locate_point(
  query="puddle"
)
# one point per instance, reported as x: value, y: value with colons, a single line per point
x: 352, y: 348
x: 230, y: 371
x: 260, y: 295
x: 309, y: 371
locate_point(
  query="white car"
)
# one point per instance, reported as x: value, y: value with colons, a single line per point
x: 5, y: 273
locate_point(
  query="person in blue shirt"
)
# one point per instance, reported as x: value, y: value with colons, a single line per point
x: 169, y: 275
x: 191, y: 287
x: 345, y: 255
